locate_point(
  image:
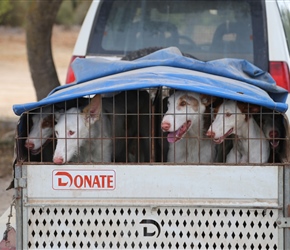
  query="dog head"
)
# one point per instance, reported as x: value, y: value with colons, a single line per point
x: 73, y: 128
x: 229, y: 119
x: 272, y: 127
x: 41, y: 132
x: 184, y: 109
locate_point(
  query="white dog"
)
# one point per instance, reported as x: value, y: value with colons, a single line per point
x: 83, y: 136
x: 108, y: 129
x: 184, y: 120
x: 251, y: 145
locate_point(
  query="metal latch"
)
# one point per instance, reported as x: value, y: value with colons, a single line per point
x: 283, y: 222
x: 20, y: 183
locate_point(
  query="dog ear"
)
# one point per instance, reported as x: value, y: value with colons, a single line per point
x: 172, y: 91
x: 57, y: 115
x: 249, y: 108
x: 93, y: 110
x: 207, y: 99
x: 254, y: 108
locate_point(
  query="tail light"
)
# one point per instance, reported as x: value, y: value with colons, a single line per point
x: 70, y: 76
x: 280, y: 73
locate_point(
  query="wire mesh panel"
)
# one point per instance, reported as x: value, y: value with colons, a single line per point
x: 152, y: 168
x: 152, y: 125
x: 151, y: 228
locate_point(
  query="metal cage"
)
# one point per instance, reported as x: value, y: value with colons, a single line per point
x: 135, y: 191
x: 152, y: 125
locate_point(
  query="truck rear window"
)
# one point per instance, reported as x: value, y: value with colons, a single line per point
x: 206, y: 30
x: 285, y: 16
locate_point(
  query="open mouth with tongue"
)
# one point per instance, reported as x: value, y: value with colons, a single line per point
x: 221, y: 139
x: 274, y: 143
x: 177, y: 135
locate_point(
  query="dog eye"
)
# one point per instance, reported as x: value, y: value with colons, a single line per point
x: 183, y: 103
x: 228, y: 114
x: 71, y: 132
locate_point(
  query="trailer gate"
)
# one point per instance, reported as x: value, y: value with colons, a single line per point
x: 162, y: 211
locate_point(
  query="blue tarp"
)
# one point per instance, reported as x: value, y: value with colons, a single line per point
x: 227, y: 78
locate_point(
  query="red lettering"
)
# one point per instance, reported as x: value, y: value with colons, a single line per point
x: 103, y: 180
x: 62, y: 184
x: 81, y: 181
x: 88, y: 180
x: 110, y: 181
x: 96, y: 181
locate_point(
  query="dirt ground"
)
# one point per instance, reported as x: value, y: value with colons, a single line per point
x: 16, y: 88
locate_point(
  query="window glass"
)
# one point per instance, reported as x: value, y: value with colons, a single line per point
x: 284, y: 7
x: 206, y: 30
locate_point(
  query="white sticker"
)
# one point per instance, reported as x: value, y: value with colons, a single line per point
x: 83, y: 179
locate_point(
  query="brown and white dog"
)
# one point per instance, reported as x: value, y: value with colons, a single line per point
x: 42, y: 126
x: 272, y: 126
x: 251, y: 145
x: 41, y: 130
x: 184, y: 122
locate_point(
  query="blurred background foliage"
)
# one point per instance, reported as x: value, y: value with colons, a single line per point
x: 71, y: 12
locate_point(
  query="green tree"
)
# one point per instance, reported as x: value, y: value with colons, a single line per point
x: 5, y: 8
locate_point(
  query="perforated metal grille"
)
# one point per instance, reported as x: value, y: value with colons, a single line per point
x: 147, y: 228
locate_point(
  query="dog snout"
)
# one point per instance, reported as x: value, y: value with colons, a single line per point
x: 29, y: 144
x: 58, y: 160
x: 274, y: 134
x: 210, y: 133
x: 165, y: 126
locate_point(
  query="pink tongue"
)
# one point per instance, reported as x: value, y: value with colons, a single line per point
x: 176, y: 135
x: 171, y: 137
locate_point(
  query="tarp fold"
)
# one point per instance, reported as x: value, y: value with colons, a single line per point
x: 227, y: 78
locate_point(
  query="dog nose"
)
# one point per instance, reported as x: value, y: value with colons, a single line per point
x: 29, y: 145
x: 274, y: 134
x: 210, y: 133
x: 58, y: 160
x: 165, y: 126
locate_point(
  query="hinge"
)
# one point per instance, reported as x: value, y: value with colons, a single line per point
x: 283, y: 222
x: 20, y: 183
